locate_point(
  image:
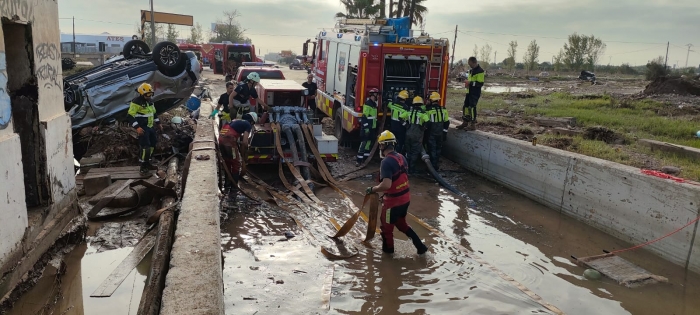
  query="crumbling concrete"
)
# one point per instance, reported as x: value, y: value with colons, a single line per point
x: 194, y: 283
x: 617, y: 199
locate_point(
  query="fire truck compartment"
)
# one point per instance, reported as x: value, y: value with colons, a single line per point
x: 403, y: 74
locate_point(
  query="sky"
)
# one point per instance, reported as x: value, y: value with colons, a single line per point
x: 635, y: 31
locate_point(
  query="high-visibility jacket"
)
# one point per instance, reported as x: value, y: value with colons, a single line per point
x: 476, y: 80
x: 369, y: 115
x: 142, y: 113
x: 398, y: 193
x: 436, y: 114
x: 415, y: 116
x: 396, y: 110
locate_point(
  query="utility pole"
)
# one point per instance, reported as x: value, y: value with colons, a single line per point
x: 454, y: 44
x: 74, y: 52
x: 687, y: 55
x: 391, y: 8
x: 495, y: 59
x: 666, y: 62
x: 153, y: 26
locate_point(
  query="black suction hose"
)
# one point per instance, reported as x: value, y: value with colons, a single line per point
x: 426, y: 158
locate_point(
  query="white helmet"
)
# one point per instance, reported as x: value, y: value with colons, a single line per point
x: 253, y: 117
x: 254, y: 76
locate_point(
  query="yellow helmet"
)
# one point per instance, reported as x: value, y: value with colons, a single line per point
x: 434, y: 96
x: 417, y: 100
x: 403, y: 94
x: 386, y: 137
x: 145, y: 88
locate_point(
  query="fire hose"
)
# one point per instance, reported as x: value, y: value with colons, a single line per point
x: 426, y: 158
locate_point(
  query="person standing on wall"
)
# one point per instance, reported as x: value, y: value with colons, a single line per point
x: 394, y: 184
x: 231, y: 137
x: 142, y: 117
x: 437, y: 130
x: 415, y: 120
x: 474, y: 82
x: 368, y: 126
x: 312, y: 87
x: 397, y: 124
x: 223, y: 102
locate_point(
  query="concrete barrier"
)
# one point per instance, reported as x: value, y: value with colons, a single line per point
x: 612, y: 197
x: 194, y: 283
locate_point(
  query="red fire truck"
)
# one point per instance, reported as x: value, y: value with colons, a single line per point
x: 360, y: 54
x: 229, y: 56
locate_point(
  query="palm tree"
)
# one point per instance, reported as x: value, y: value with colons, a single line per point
x: 419, y: 10
x: 359, y: 9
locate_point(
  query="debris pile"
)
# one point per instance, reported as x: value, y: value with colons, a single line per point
x: 674, y: 85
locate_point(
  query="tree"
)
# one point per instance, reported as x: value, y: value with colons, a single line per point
x: 475, y: 54
x: 228, y: 29
x: 583, y: 51
x: 485, y: 55
x: 419, y: 10
x: 147, y: 38
x: 558, y: 60
x: 656, y: 69
x: 531, y: 56
x: 512, y: 49
x: 382, y: 8
x: 196, y: 35
x: 359, y: 9
x: 172, y: 34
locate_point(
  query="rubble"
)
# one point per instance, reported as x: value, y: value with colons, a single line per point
x: 673, y: 85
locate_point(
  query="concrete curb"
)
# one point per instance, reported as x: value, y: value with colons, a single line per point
x: 611, y: 197
x: 194, y: 284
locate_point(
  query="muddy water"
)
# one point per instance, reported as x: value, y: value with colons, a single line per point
x: 86, y: 268
x: 521, y: 238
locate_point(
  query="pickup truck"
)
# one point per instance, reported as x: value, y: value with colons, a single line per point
x: 265, y: 72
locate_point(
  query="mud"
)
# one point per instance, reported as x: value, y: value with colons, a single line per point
x: 113, y: 235
x: 674, y: 85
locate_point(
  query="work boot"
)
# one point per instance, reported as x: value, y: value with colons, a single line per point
x: 472, y: 125
x: 463, y: 125
x: 385, y: 247
x: 144, y: 170
x: 420, y: 247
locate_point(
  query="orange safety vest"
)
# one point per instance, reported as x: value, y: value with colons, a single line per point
x: 398, y: 193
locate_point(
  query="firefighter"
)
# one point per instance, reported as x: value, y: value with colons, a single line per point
x: 394, y: 184
x: 397, y: 124
x: 142, y: 117
x: 223, y: 102
x: 313, y: 88
x: 475, y: 81
x: 437, y: 118
x: 240, y: 97
x: 415, y: 120
x: 368, y: 126
x: 230, y: 140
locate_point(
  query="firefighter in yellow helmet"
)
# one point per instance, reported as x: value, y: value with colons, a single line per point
x: 397, y: 124
x: 393, y: 182
x: 438, y: 122
x: 142, y: 117
x: 415, y: 126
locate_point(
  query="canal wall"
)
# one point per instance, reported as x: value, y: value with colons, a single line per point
x: 194, y: 284
x: 611, y: 197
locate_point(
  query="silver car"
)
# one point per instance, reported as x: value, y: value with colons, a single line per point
x: 105, y: 92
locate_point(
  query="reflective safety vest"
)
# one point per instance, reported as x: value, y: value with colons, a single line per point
x: 415, y: 117
x: 396, y: 110
x: 228, y: 136
x: 476, y: 80
x: 142, y: 113
x: 398, y: 194
x: 369, y: 114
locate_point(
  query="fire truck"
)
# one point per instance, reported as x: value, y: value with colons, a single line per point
x: 229, y: 56
x: 360, y: 54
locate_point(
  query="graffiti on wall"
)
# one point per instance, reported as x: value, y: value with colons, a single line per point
x: 20, y: 9
x: 47, y: 56
x: 5, y: 105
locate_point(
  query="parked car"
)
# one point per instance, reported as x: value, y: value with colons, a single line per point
x: 105, y: 92
x: 587, y: 76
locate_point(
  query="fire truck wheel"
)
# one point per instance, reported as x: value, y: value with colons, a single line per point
x: 339, y: 132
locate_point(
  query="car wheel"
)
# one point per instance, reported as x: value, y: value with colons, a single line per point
x: 166, y: 55
x: 135, y: 48
x: 174, y: 71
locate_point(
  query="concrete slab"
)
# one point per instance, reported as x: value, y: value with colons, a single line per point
x: 194, y: 283
x: 617, y: 199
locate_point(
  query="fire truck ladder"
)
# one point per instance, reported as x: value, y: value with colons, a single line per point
x: 436, y: 63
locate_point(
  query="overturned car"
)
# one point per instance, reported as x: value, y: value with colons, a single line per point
x: 103, y: 93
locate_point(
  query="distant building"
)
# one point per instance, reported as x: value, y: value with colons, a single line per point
x: 87, y: 43
x: 273, y: 57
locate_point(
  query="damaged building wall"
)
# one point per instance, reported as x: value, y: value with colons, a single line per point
x: 43, y: 87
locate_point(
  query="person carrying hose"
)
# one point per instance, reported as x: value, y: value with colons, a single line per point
x: 414, y: 119
x: 142, y: 117
x: 394, y: 184
x: 397, y: 124
x: 438, y: 121
x: 368, y: 127
x: 230, y: 139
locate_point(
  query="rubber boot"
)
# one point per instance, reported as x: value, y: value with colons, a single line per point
x: 385, y: 247
x: 417, y: 242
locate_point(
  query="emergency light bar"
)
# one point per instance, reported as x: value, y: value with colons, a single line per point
x: 257, y: 64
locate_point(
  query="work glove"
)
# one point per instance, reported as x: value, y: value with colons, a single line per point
x: 139, y: 131
x: 216, y: 111
x: 368, y: 191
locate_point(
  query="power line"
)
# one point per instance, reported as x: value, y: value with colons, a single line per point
x: 97, y: 21
x: 551, y: 37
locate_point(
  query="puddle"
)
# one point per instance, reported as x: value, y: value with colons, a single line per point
x: 509, y: 89
x: 86, y: 268
x: 521, y: 238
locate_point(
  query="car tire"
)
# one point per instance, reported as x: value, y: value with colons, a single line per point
x: 167, y: 56
x: 135, y: 47
x: 179, y: 68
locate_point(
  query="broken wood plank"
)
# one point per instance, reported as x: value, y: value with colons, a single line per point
x: 566, y: 132
x: 671, y: 148
x: 103, y: 203
x: 556, y: 122
x: 113, y: 169
x: 327, y: 288
x: 95, y: 183
x: 119, y: 173
x: 171, y: 177
x: 119, y: 274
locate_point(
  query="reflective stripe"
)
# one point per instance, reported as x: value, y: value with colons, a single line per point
x: 444, y: 130
x: 371, y: 118
x: 135, y: 124
x: 144, y: 115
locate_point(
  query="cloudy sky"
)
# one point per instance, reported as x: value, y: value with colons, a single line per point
x: 635, y: 30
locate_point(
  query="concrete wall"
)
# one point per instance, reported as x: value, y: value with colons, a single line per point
x: 614, y: 198
x: 54, y: 124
